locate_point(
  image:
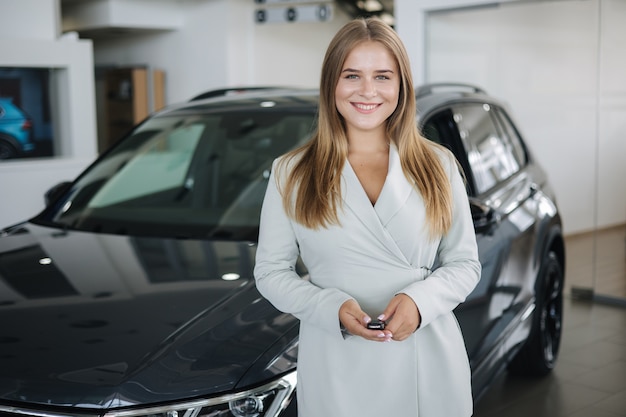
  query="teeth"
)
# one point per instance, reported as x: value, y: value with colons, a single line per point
x: 366, y: 106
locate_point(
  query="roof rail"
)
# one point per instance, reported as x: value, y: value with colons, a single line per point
x: 232, y: 91
x: 426, y: 89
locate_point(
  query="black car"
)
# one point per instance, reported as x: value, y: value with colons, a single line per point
x: 132, y: 293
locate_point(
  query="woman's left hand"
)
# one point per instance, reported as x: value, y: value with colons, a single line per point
x: 402, y: 316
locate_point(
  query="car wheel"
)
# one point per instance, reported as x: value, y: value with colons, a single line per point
x: 539, y: 354
x: 7, y: 150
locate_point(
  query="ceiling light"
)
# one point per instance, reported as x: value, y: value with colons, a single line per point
x: 372, y: 6
x: 388, y: 19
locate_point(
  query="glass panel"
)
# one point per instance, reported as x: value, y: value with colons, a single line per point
x: 488, y: 151
x: 441, y: 128
x: 512, y: 137
x: 190, y: 175
x: 159, y: 165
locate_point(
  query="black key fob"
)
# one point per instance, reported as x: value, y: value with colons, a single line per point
x: 376, y: 325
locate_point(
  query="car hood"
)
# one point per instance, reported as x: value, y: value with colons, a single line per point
x: 101, y: 321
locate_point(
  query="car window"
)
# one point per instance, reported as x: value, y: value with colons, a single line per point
x: 441, y: 128
x: 187, y: 175
x: 488, y: 150
x: 158, y: 165
x: 512, y: 136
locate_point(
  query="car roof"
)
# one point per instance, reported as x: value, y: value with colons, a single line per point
x: 233, y: 91
x: 286, y: 98
x: 429, y: 97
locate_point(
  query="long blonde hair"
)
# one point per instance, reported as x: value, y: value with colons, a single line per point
x: 315, y: 177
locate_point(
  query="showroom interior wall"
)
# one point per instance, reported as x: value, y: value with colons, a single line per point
x: 219, y: 44
x: 30, y: 37
x: 560, y: 65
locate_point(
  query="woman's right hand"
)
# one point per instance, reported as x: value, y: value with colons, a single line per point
x: 355, y: 320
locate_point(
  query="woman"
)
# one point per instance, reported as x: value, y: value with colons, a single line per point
x: 369, y: 205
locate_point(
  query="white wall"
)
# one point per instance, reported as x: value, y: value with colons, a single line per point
x: 18, y: 19
x: 120, y: 14
x: 560, y: 66
x: 30, y: 39
x: 295, y: 51
x: 410, y: 23
x: 219, y: 45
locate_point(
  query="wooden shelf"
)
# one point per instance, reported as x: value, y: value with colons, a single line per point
x: 126, y: 100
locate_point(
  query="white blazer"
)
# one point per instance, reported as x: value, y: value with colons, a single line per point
x: 377, y: 251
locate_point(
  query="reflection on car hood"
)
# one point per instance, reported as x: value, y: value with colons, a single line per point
x: 103, y: 321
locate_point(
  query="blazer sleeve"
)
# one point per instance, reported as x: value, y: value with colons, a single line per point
x: 459, y: 267
x: 274, y: 271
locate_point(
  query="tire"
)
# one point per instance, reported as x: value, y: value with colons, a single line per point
x: 7, y: 151
x: 539, y: 354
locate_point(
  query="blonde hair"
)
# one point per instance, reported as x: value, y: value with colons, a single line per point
x: 312, y: 190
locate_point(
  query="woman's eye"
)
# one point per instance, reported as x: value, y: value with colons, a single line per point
x: 382, y: 77
x: 351, y: 76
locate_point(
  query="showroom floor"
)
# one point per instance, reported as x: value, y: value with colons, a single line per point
x: 598, y: 260
x: 590, y: 377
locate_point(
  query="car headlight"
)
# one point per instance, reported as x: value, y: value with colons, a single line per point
x: 265, y: 401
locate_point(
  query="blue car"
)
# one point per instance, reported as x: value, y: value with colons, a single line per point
x: 16, y: 138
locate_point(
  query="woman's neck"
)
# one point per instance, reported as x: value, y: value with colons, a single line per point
x: 367, y: 142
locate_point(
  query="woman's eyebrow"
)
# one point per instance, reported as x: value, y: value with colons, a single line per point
x: 377, y: 71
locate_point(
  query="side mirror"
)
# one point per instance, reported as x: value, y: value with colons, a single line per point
x: 56, y: 191
x: 484, y: 217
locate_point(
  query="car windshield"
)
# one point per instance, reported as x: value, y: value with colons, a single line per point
x: 185, y: 175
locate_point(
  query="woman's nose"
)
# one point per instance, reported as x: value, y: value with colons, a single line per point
x: 368, y: 89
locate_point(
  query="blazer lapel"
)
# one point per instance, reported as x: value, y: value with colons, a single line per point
x: 396, y: 190
x: 392, y: 196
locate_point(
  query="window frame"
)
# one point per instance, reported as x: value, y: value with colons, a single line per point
x: 443, y: 119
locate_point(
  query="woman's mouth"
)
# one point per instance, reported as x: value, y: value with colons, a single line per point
x: 365, y: 106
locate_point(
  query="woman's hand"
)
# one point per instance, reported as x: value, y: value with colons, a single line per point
x: 355, y: 322
x: 402, y: 316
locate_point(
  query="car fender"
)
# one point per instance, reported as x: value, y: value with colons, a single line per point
x: 549, y: 238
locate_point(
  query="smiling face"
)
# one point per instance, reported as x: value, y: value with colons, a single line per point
x: 368, y: 89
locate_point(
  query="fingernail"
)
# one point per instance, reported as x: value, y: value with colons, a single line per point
x: 381, y: 317
x: 381, y: 334
x: 367, y: 319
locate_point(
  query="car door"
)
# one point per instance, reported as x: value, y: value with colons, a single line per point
x: 501, y: 201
